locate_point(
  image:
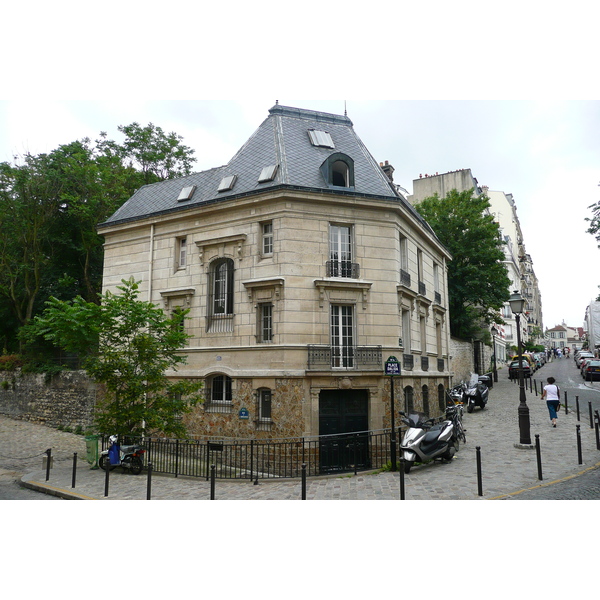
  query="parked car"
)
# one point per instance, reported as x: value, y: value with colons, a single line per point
x: 529, y: 360
x: 581, y: 356
x: 584, y: 362
x: 539, y: 363
x: 513, y: 369
x: 591, y: 370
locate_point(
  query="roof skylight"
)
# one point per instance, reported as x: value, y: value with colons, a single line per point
x: 227, y: 183
x: 268, y: 173
x: 186, y: 193
x: 320, y: 138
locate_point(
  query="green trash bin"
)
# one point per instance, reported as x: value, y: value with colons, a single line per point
x: 91, y: 446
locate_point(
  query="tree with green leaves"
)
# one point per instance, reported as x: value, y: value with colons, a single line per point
x: 51, y: 204
x: 594, y: 221
x: 478, y: 282
x: 156, y: 155
x: 127, y: 345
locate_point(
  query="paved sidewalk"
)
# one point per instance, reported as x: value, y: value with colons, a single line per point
x: 506, y: 469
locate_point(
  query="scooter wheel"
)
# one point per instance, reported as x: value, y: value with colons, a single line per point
x: 104, y: 463
x: 470, y: 408
x: 136, y: 465
x: 408, y: 465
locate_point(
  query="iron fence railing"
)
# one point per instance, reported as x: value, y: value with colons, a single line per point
x: 326, y: 357
x: 266, y: 459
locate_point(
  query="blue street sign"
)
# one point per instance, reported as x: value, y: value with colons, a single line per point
x: 392, y: 366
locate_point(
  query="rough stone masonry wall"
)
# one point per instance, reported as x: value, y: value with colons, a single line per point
x: 462, y: 363
x: 65, y: 400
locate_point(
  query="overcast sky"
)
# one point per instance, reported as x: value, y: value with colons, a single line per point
x: 71, y: 72
x: 545, y: 153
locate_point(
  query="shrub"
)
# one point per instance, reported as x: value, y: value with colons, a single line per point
x: 10, y: 362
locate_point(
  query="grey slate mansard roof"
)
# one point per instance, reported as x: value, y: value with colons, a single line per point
x: 282, y: 139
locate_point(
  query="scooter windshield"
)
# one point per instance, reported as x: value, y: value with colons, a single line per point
x: 416, y: 419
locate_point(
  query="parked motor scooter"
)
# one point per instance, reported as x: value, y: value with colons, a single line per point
x: 457, y: 395
x: 128, y: 457
x: 424, y: 441
x: 476, y: 394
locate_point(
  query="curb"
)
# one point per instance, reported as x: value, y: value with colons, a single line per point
x: 28, y: 481
x: 549, y: 483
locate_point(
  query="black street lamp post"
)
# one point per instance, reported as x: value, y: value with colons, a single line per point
x: 494, y: 333
x: 517, y: 306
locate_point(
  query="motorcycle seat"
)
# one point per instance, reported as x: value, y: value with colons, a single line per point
x: 433, y: 433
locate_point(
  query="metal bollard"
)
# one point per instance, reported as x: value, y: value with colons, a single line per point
x: 106, y: 478
x: 591, y: 418
x: 566, y: 404
x: 402, y: 494
x: 48, y: 462
x: 149, y: 483
x: 303, y: 481
x: 597, y: 428
x: 535, y: 385
x: 538, y: 452
x: 577, y: 406
x: 212, y: 482
x: 479, y: 482
x: 579, y: 456
x: 74, y: 470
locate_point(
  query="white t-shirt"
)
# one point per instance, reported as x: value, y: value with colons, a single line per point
x: 551, y: 391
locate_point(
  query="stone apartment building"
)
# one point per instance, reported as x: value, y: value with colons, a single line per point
x: 303, y: 268
x: 518, y: 262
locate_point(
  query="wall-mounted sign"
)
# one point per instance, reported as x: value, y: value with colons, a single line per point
x: 243, y: 413
x: 392, y: 366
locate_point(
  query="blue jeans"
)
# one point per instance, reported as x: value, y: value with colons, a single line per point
x: 552, y: 406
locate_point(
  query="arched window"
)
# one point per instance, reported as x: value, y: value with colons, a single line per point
x: 409, y: 399
x: 425, y: 396
x: 220, y: 295
x: 340, y: 174
x: 338, y: 171
x: 441, y: 397
x: 218, y: 393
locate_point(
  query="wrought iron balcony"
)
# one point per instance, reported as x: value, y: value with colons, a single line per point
x: 440, y: 364
x: 408, y: 362
x: 404, y: 277
x: 424, y: 363
x: 323, y: 357
x: 342, y: 268
x: 422, y: 289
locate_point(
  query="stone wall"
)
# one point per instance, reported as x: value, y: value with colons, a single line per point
x: 462, y: 360
x: 65, y: 400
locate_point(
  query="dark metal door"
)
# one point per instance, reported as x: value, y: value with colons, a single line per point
x: 343, y: 426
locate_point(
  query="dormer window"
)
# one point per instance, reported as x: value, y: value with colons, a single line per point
x: 186, y: 193
x: 340, y: 174
x: 227, y: 183
x: 338, y: 171
x: 321, y: 139
x: 268, y: 173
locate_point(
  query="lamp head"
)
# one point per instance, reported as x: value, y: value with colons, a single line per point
x: 517, y: 303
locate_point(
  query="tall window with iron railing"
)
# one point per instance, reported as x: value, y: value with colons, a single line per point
x: 342, y: 335
x: 220, y: 296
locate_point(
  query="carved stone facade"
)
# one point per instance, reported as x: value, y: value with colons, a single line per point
x: 297, y: 290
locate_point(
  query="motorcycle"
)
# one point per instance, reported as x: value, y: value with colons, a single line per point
x: 424, y: 441
x: 476, y: 394
x: 127, y: 457
x: 457, y: 396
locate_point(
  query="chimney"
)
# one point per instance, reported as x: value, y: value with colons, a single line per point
x: 388, y: 170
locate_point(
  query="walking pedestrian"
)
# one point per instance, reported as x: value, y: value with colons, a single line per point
x: 551, y: 394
